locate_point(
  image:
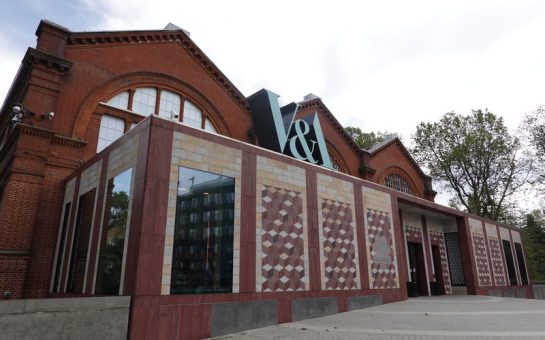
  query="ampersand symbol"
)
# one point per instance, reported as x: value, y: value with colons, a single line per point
x: 300, y: 136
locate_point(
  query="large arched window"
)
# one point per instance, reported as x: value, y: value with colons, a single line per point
x: 144, y: 102
x: 336, y: 165
x: 398, y: 183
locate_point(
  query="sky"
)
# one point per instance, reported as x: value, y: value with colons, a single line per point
x: 377, y: 65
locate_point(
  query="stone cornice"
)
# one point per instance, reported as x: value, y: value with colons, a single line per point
x: 35, y: 56
x: 54, y: 138
x: 68, y: 141
x: 160, y: 36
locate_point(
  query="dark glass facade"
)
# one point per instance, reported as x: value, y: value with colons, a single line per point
x: 203, y: 238
x: 112, y: 240
x: 522, y: 265
x: 511, y: 271
x: 80, y: 242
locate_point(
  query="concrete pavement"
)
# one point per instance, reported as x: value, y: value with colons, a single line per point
x: 444, y: 317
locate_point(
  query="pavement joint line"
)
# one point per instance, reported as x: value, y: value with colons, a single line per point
x: 452, y: 313
x: 488, y: 300
x: 510, y: 334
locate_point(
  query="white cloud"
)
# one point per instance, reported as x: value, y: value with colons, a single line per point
x: 381, y: 65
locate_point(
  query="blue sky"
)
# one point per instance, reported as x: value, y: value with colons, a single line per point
x: 378, y: 65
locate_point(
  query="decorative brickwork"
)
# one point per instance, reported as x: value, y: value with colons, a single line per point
x: 438, y: 239
x: 482, y: 260
x: 481, y: 257
x: 383, y: 266
x: 497, y: 261
x: 283, y: 266
x: 413, y: 234
x: 281, y: 227
x: 338, y: 245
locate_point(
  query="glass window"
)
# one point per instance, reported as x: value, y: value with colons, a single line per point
x: 192, y: 115
x: 111, y: 128
x: 170, y: 105
x: 511, y: 271
x: 80, y: 242
x: 336, y: 165
x: 520, y: 261
x: 60, y: 252
x: 398, y: 183
x: 202, y: 260
x: 208, y: 126
x: 121, y: 100
x: 144, y: 101
x: 114, y: 230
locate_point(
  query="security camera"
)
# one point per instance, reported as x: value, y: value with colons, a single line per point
x: 7, y: 294
x: 16, y: 118
x: 174, y: 115
x: 16, y: 109
x: 49, y: 115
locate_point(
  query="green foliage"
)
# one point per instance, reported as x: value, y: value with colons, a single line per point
x: 533, y: 235
x: 363, y: 139
x: 474, y: 157
x: 534, y: 132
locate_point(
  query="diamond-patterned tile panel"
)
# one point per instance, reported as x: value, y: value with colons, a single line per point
x: 438, y: 239
x: 481, y: 258
x: 338, y: 242
x: 413, y: 234
x: 497, y: 261
x: 283, y: 266
x: 382, y: 264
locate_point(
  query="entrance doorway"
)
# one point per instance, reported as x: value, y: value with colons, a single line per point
x: 417, y: 270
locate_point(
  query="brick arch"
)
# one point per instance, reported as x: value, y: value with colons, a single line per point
x: 338, y: 156
x: 394, y: 169
x: 124, y: 82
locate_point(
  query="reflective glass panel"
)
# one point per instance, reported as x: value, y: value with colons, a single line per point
x: 60, y: 252
x: 208, y: 126
x: 521, y: 263
x: 80, y: 242
x: 144, y: 101
x: 114, y: 230
x: 192, y: 115
x: 202, y: 260
x: 121, y: 100
x: 111, y: 128
x: 170, y: 105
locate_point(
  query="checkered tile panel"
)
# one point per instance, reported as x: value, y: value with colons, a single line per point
x: 497, y: 261
x: 413, y: 234
x: 382, y: 262
x: 483, y: 270
x: 283, y: 266
x: 338, y: 241
x: 437, y: 238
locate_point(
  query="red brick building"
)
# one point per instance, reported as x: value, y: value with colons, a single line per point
x: 130, y: 165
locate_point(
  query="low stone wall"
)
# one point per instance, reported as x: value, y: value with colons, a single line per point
x: 539, y: 291
x: 68, y: 318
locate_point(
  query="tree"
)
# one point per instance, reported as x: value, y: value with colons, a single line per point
x: 365, y: 140
x: 475, y: 158
x: 534, y: 125
x: 533, y: 235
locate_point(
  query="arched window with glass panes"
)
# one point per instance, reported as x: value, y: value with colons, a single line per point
x: 144, y: 102
x: 398, y: 183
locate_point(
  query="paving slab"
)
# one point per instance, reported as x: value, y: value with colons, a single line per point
x: 442, y: 317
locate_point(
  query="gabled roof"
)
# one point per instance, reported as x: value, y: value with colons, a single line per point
x: 171, y: 33
x: 379, y: 147
x: 317, y: 103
